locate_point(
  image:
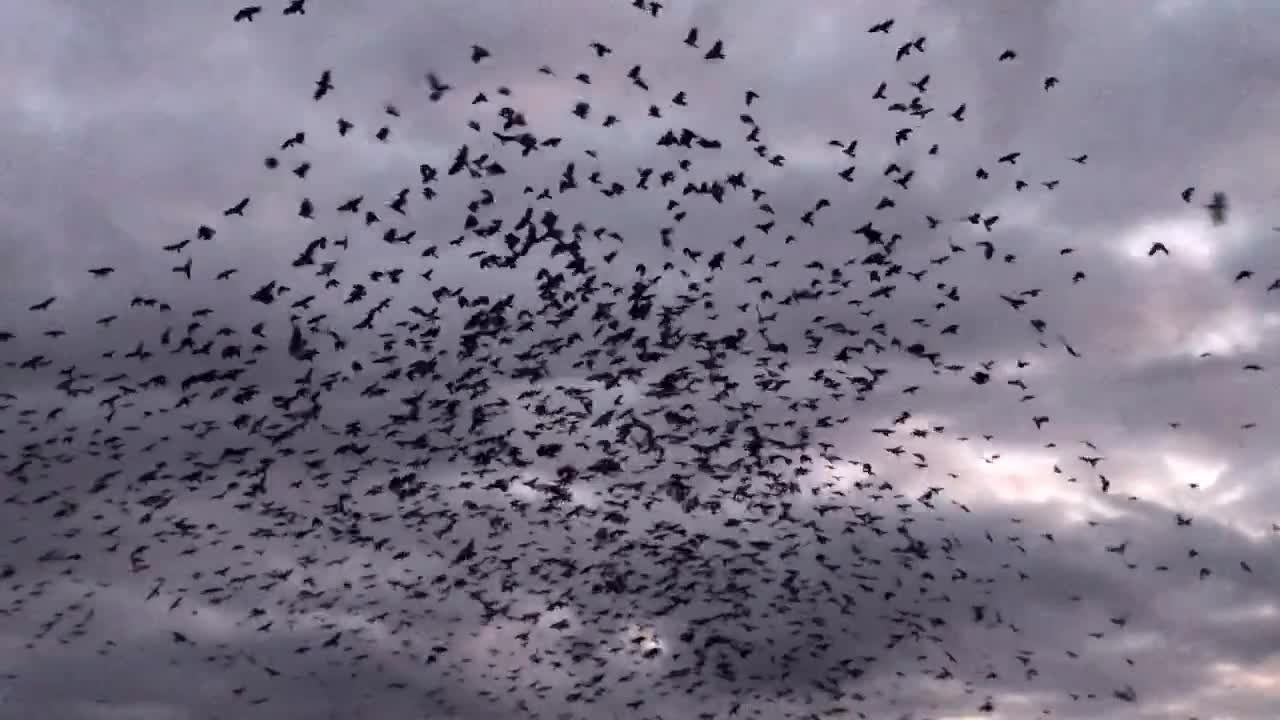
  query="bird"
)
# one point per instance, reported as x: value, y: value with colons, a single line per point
x: 323, y: 85
x: 1217, y: 208
x: 436, y: 87
x: 247, y: 13
x: 884, y: 26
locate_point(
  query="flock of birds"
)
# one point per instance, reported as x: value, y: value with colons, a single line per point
x: 629, y: 472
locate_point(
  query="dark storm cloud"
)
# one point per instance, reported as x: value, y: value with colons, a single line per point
x: 128, y: 129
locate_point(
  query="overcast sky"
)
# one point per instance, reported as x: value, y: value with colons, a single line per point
x: 127, y: 130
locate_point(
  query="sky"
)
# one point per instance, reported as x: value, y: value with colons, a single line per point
x: 129, y: 129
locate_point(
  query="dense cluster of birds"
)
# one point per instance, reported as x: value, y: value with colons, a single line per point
x: 629, y: 472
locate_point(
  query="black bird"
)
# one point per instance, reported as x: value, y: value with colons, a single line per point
x: 1218, y: 208
x: 436, y: 87
x: 716, y: 52
x: 237, y: 209
x: 247, y: 13
x: 323, y: 85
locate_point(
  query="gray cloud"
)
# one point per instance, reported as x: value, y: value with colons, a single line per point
x: 128, y: 130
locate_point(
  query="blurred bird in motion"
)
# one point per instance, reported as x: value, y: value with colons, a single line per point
x: 1218, y: 208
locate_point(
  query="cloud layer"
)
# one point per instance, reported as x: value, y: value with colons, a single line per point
x: 129, y: 130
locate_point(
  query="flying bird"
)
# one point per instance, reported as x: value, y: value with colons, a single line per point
x: 1218, y: 208
x: 882, y: 27
x: 323, y: 85
x: 436, y: 87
